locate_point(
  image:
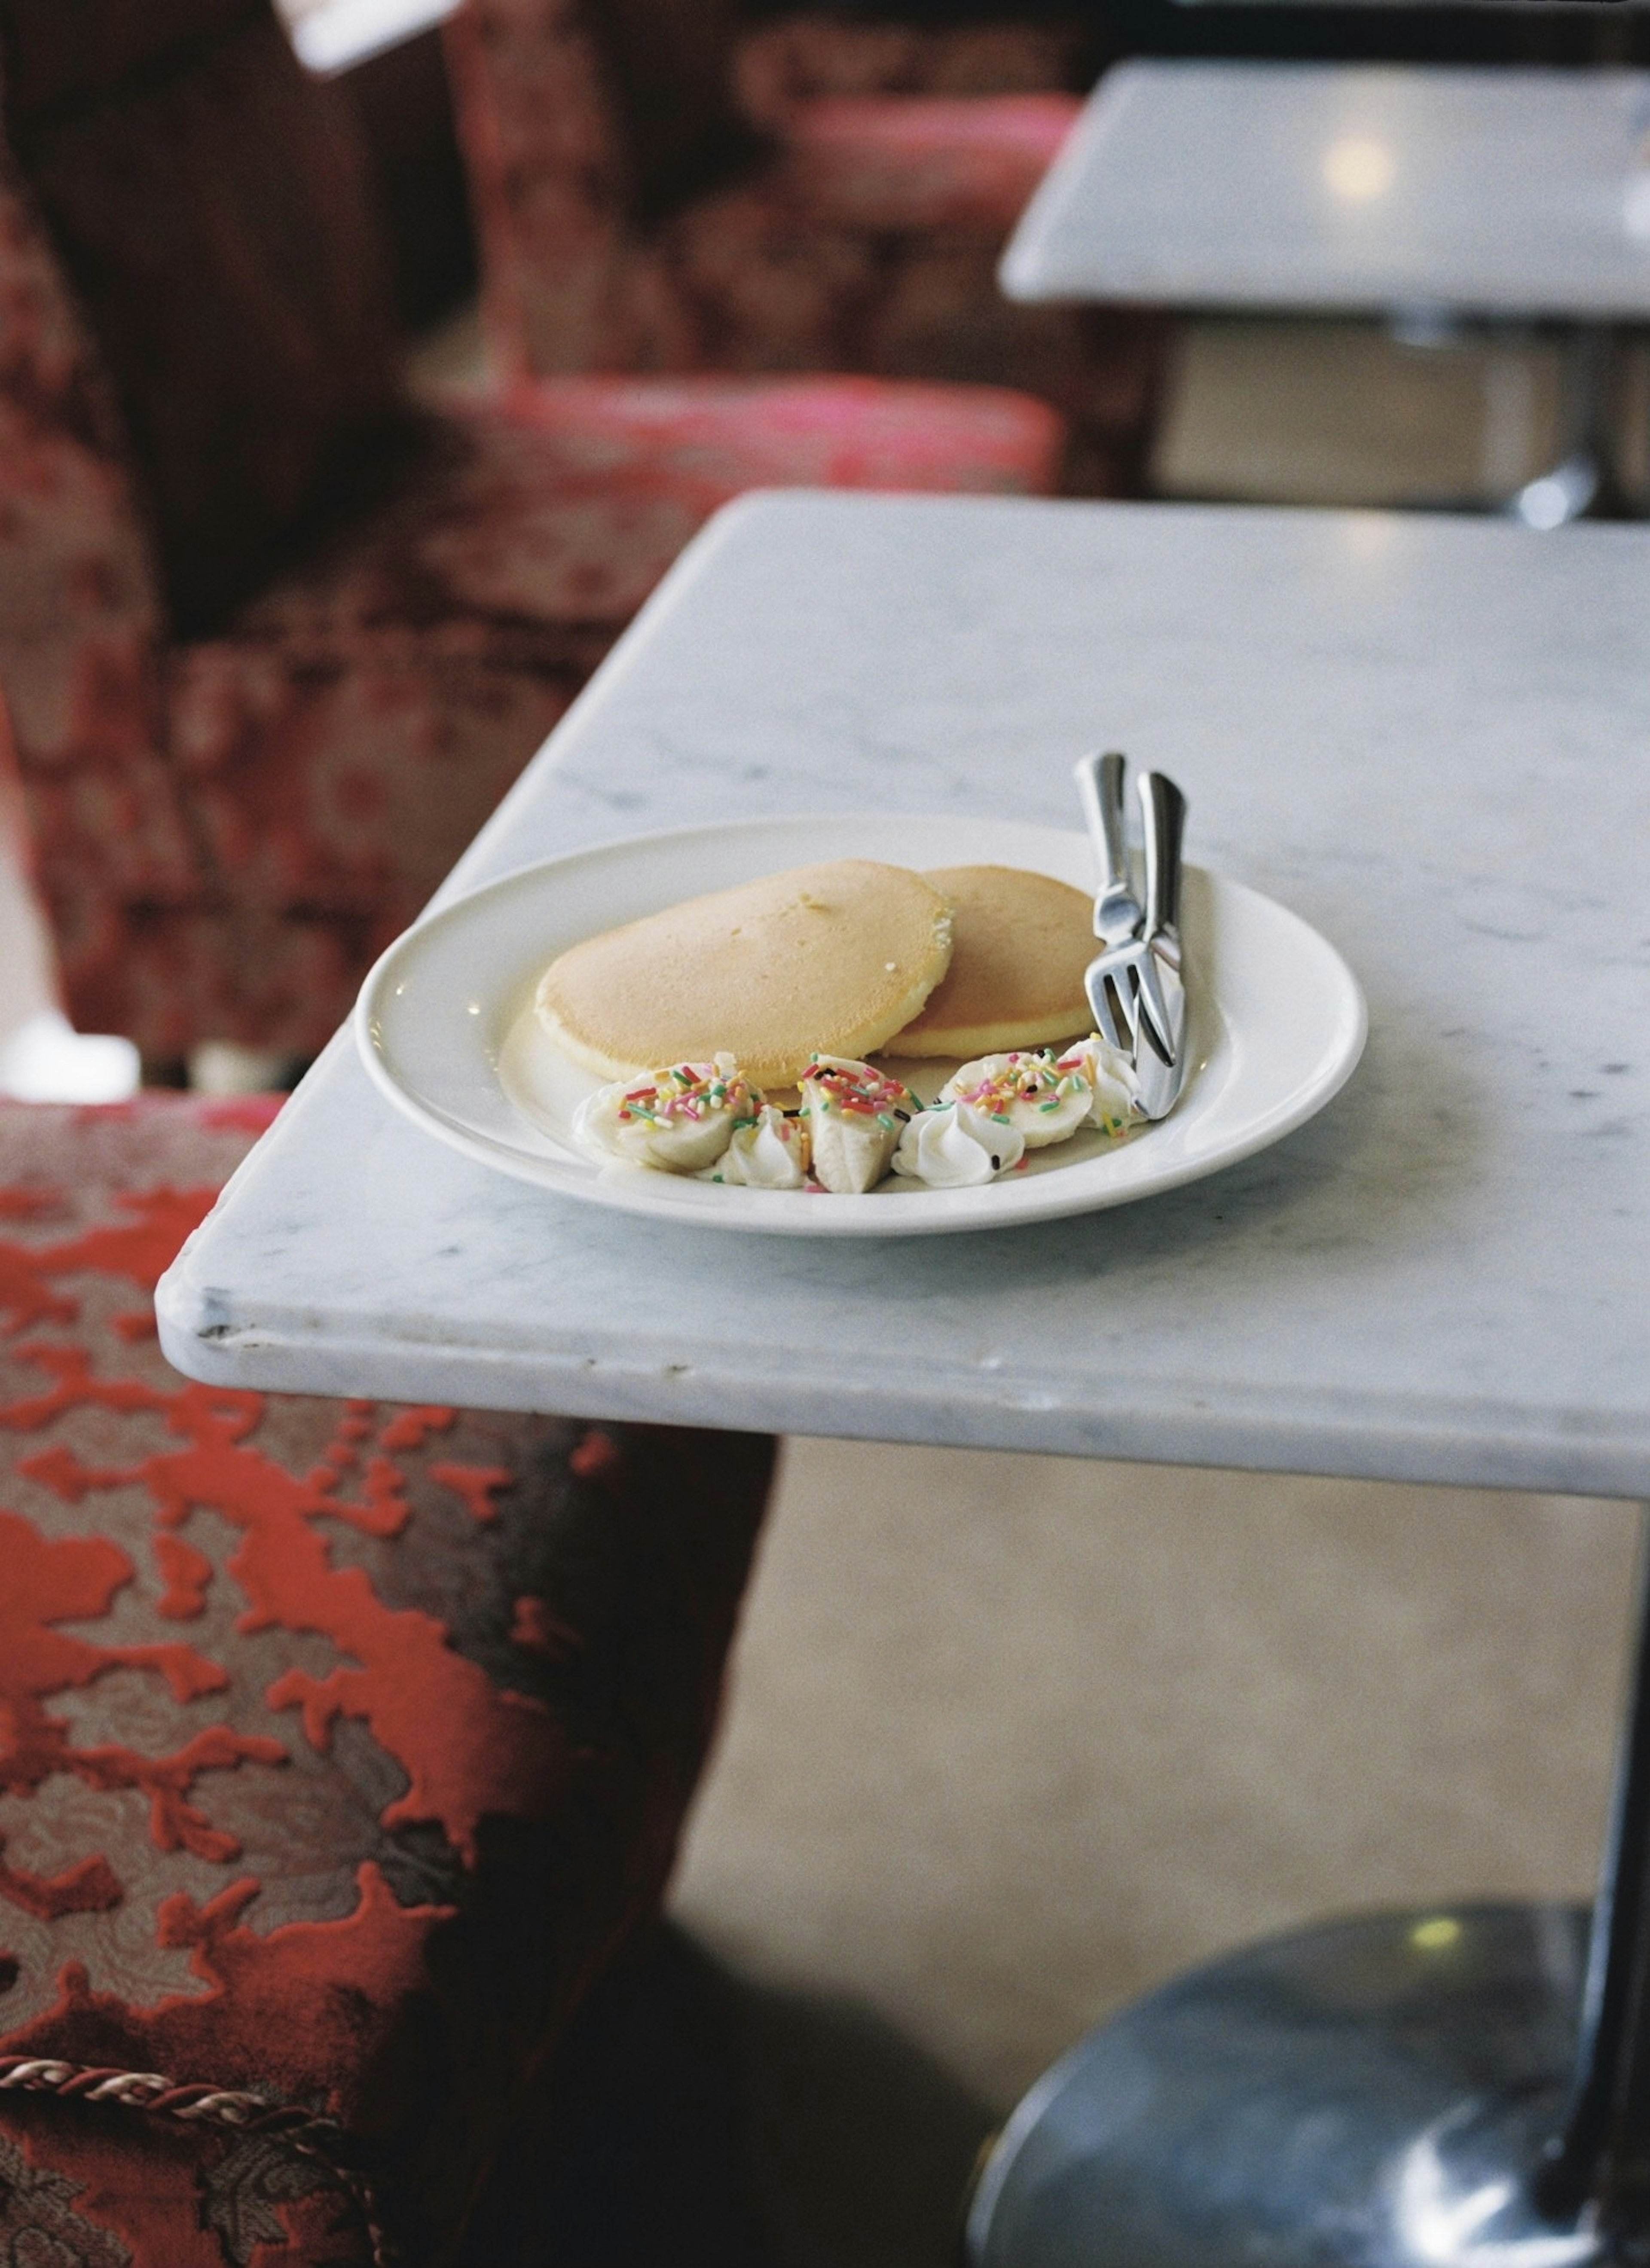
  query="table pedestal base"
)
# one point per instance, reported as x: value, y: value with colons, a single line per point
x: 1371, y: 2094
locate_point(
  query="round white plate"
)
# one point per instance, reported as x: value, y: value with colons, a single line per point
x: 444, y: 1024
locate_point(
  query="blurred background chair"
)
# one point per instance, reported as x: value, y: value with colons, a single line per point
x: 657, y: 187
x: 273, y: 643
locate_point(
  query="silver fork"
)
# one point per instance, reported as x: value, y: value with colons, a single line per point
x: 1118, y: 912
x: 1136, y: 988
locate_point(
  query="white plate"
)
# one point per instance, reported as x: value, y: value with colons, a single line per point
x: 445, y: 1025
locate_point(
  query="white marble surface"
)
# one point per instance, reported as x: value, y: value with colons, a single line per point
x: 1429, y: 736
x: 1350, y: 187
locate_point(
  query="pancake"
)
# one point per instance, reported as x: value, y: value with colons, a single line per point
x: 1021, y: 942
x: 832, y: 959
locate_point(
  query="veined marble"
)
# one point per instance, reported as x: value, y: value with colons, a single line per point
x: 1480, y: 190
x: 1429, y: 736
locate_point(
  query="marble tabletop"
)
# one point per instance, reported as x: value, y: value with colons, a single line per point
x: 1429, y: 736
x: 1493, y: 191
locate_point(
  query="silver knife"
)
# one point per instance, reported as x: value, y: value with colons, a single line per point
x: 1160, y: 1049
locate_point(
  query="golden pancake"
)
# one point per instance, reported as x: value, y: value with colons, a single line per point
x: 830, y: 958
x: 1020, y: 943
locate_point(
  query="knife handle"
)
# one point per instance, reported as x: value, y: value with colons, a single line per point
x: 1163, y: 808
x: 1100, y: 788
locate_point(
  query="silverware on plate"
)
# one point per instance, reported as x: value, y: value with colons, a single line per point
x: 1118, y: 912
x: 1135, y: 986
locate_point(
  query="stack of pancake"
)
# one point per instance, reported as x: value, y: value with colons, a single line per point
x: 851, y: 958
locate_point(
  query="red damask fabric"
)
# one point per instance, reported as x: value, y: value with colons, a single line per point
x: 342, y: 1747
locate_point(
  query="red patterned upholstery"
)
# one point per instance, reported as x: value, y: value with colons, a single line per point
x: 864, y: 237
x: 342, y: 1747
x: 79, y: 611
x: 798, y: 58
x: 562, y: 501
x: 258, y: 713
x: 923, y: 161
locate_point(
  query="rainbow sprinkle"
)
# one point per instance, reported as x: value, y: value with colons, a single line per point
x: 691, y: 1092
x: 1029, y: 1077
x: 858, y: 1092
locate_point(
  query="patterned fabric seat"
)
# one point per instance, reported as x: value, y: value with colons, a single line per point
x: 657, y: 191
x: 273, y: 646
x: 342, y: 1747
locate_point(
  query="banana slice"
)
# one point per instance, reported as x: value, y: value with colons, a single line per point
x: 678, y: 1121
x: 854, y: 1116
x: 1026, y: 1091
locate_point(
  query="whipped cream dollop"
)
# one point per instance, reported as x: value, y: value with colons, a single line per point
x: 1109, y: 1078
x: 678, y: 1121
x: 953, y: 1146
x: 854, y: 1116
x: 1041, y: 1101
x: 771, y: 1153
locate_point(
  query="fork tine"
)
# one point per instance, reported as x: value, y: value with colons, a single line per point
x: 1122, y: 987
x: 1106, y: 1024
x: 1107, y: 1009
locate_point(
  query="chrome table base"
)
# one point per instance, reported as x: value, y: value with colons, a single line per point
x: 1466, y: 2088
x: 1373, y: 2093
x: 1462, y: 2088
